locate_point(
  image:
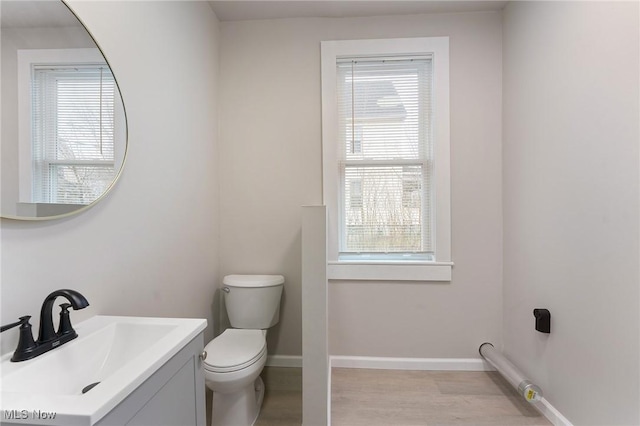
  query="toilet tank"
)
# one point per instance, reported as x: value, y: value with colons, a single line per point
x: 253, y: 301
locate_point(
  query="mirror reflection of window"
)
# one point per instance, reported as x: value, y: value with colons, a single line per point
x: 60, y: 154
x: 72, y: 132
x: 72, y: 129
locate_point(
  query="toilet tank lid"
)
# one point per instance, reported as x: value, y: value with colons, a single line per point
x: 253, y: 280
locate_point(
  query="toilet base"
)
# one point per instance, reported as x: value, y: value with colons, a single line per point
x: 239, y: 408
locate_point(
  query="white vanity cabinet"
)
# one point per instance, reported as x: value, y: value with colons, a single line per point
x: 119, y: 371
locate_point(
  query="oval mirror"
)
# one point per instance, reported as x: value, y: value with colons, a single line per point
x: 63, y: 124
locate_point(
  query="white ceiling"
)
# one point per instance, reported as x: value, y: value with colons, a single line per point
x: 238, y: 10
x: 53, y: 13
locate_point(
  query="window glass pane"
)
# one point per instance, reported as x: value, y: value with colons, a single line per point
x: 385, y: 209
x: 384, y: 110
x: 73, y: 133
x: 85, y: 112
x: 79, y: 184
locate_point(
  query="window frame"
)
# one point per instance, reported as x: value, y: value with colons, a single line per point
x: 392, y: 267
x: 27, y: 58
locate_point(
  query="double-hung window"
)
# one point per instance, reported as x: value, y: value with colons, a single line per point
x: 386, y: 158
x: 69, y: 105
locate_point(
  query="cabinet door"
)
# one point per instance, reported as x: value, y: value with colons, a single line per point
x: 174, y: 404
x: 173, y: 396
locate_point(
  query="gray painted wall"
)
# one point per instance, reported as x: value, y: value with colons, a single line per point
x: 270, y: 165
x: 571, y: 203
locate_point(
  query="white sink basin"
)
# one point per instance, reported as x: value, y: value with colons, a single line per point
x: 118, y: 352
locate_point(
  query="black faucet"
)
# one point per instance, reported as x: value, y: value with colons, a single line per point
x: 46, y: 333
x: 47, y: 337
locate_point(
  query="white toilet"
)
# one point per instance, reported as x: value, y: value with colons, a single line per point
x: 234, y: 359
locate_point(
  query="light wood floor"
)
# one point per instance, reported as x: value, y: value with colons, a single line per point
x: 282, y: 405
x: 406, y: 398
x: 401, y: 398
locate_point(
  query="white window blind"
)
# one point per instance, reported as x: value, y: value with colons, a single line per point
x: 385, y: 156
x: 72, y: 132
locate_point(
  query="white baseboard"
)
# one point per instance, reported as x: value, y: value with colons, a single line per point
x: 426, y: 364
x: 290, y: 361
x: 550, y: 412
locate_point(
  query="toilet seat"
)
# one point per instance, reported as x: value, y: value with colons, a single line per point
x: 234, y: 349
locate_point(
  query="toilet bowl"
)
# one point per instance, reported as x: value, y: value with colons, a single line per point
x: 235, y: 359
x: 232, y: 370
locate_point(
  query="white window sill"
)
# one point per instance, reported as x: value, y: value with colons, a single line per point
x: 389, y: 271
